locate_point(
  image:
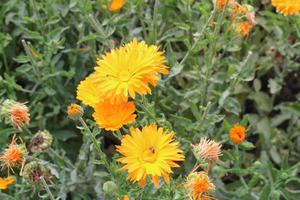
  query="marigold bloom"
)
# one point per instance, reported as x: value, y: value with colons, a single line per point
x: 150, y: 151
x: 287, y: 7
x: 125, y: 197
x: 6, y: 182
x: 198, y: 185
x: 116, y: 5
x: 221, y: 3
x: 88, y: 92
x: 129, y: 70
x: 237, y: 134
x: 113, y: 116
x: 245, y: 28
x: 13, y: 155
x: 75, y: 111
x: 207, y: 150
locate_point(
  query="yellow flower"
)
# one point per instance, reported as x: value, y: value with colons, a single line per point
x: 287, y: 7
x: 129, y: 70
x: 207, y: 150
x: 237, y: 134
x: 87, y: 91
x: 116, y: 5
x: 150, y: 151
x: 6, y: 182
x: 13, y: 155
x: 113, y: 116
x: 198, y: 185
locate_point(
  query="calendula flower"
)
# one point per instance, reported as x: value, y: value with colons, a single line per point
x: 88, y: 92
x: 287, y: 7
x: 33, y: 171
x: 129, y: 70
x: 237, y: 134
x: 15, y: 113
x: 198, y: 185
x: 115, y: 5
x: 75, y: 111
x: 5, y: 183
x: 125, y: 197
x: 13, y: 155
x: 221, y: 3
x: 41, y: 141
x: 208, y: 150
x: 245, y: 28
x: 113, y: 116
x: 150, y: 151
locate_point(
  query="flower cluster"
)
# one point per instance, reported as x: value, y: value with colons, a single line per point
x: 119, y: 76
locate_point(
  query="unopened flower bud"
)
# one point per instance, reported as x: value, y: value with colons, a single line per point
x: 33, y: 171
x: 75, y: 111
x: 41, y: 141
x: 109, y: 187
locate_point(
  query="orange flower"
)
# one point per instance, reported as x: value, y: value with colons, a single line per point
x: 75, y: 111
x: 13, y: 155
x: 125, y: 197
x: 113, y: 116
x: 19, y: 115
x: 115, y: 5
x: 245, y: 28
x: 221, y: 3
x: 207, y: 150
x: 287, y: 7
x: 6, y: 182
x: 198, y: 185
x: 237, y: 134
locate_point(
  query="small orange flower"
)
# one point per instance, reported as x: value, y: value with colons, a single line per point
x: 221, y: 3
x: 207, y: 150
x: 19, y: 115
x: 237, y: 134
x: 6, y: 182
x: 245, y: 28
x: 115, y: 5
x: 198, y: 185
x: 75, y: 111
x: 13, y: 155
x: 287, y: 7
x: 113, y: 116
x: 125, y: 197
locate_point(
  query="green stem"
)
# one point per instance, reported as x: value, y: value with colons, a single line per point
x: 47, y: 188
x: 96, y: 144
x: 154, y: 21
x: 238, y: 166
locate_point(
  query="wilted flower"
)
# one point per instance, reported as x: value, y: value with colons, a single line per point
x: 6, y: 182
x: 15, y: 113
x: 33, y: 171
x: 237, y: 134
x: 287, y: 7
x: 13, y: 155
x: 150, y: 151
x: 245, y: 28
x: 75, y: 111
x: 198, y: 185
x: 208, y: 150
x: 41, y: 141
x: 113, y: 116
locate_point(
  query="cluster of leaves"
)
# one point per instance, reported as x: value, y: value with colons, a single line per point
x: 217, y: 78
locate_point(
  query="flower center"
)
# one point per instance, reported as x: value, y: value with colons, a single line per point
x: 149, y: 155
x: 125, y: 76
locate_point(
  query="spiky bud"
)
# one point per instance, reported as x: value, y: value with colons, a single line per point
x: 109, y: 187
x: 75, y: 111
x: 41, y: 141
x: 33, y: 171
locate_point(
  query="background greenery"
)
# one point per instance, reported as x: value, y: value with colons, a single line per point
x: 47, y: 47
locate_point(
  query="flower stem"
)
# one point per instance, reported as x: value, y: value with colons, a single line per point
x: 47, y: 188
x: 96, y: 144
x: 238, y: 166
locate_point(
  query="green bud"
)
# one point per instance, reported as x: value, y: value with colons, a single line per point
x: 109, y: 187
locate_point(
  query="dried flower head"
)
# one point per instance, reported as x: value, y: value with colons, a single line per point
x: 221, y: 3
x: 113, y: 116
x: 150, y: 151
x: 6, y: 182
x: 237, y: 134
x: 33, y: 171
x: 41, y: 141
x: 13, y: 155
x: 287, y: 7
x: 198, y: 185
x: 75, y: 111
x: 208, y: 150
x: 15, y: 113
